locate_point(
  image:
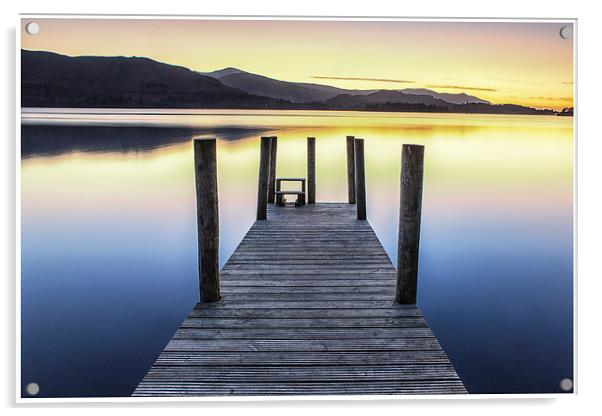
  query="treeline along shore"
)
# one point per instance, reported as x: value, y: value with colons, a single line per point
x: 53, y: 80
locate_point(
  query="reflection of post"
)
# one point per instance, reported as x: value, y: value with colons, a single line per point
x: 205, y: 168
x: 272, y: 180
x: 360, y: 179
x: 410, y: 209
x: 311, y: 170
x: 264, y: 173
x: 350, y: 169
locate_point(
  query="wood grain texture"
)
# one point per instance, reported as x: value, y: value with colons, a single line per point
x: 264, y: 177
x: 308, y: 308
x: 311, y: 170
x: 360, y: 179
x: 272, y: 180
x: 410, y: 209
x: 350, y: 169
x: 205, y: 168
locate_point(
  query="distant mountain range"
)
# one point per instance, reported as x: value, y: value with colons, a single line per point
x: 52, y: 80
x: 294, y: 92
x: 461, y: 98
x: 298, y: 92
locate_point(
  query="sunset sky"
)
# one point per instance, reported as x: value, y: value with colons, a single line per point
x: 524, y: 63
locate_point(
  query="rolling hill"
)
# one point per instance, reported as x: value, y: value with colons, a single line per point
x: 301, y: 92
x: 296, y: 92
x: 346, y: 101
x: 260, y: 85
x: 52, y: 80
x: 461, y: 98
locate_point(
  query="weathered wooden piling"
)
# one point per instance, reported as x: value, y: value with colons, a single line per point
x: 311, y: 170
x: 264, y: 173
x: 410, y: 209
x: 351, y: 169
x: 205, y: 168
x: 360, y: 179
x: 272, y: 183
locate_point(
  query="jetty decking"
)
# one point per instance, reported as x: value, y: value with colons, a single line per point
x: 307, y: 307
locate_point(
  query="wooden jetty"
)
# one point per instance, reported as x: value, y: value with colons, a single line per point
x: 308, y: 304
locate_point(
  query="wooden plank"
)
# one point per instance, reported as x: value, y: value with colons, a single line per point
x: 304, y: 256
x: 309, y: 271
x: 375, y: 344
x: 274, y: 282
x: 303, y: 304
x: 410, y: 329
x: 177, y: 358
x: 290, y: 193
x: 216, y: 388
x: 195, y: 374
x: 282, y: 313
x: 307, y: 308
x: 330, y: 323
x: 313, y: 297
x: 257, y: 264
x: 418, y: 331
x: 309, y: 290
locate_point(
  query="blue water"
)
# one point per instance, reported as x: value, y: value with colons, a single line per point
x: 109, y: 271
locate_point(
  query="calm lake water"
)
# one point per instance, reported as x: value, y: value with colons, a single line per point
x: 109, y: 264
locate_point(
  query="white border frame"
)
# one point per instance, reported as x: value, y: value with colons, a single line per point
x: 134, y: 400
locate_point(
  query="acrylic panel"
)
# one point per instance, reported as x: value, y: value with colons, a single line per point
x: 427, y: 247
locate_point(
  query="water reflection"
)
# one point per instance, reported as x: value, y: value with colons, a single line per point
x: 109, y: 234
x: 45, y: 140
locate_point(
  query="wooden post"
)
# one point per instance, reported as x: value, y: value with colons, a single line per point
x: 272, y: 183
x: 264, y: 173
x: 410, y: 209
x: 360, y: 179
x: 351, y: 169
x: 205, y: 169
x: 311, y: 170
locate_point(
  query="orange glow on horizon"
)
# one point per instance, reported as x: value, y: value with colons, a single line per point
x: 525, y: 63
